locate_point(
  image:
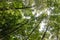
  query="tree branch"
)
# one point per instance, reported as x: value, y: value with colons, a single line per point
x: 15, y: 8
x: 33, y: 30
x: 44, y: 34
x: 12, y: 31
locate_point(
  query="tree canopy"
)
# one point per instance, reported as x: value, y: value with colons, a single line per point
x: 22, y: 19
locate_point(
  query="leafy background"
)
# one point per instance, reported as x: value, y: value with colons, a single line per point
x: 21, y: 19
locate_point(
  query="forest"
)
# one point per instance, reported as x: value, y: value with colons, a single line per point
x: 29, y: 19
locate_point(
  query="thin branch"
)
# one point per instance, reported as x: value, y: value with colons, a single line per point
x: 44, y: 34
x: 16, y: 8
x: 18, y: 28
x: 33, y: 30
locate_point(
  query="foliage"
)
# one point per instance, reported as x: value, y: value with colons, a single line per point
x: 18, y: 22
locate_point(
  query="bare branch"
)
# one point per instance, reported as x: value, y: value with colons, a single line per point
x: 44, y: 34
x: 16, y: 8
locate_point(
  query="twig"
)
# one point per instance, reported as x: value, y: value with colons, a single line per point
x: 44, y: 34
